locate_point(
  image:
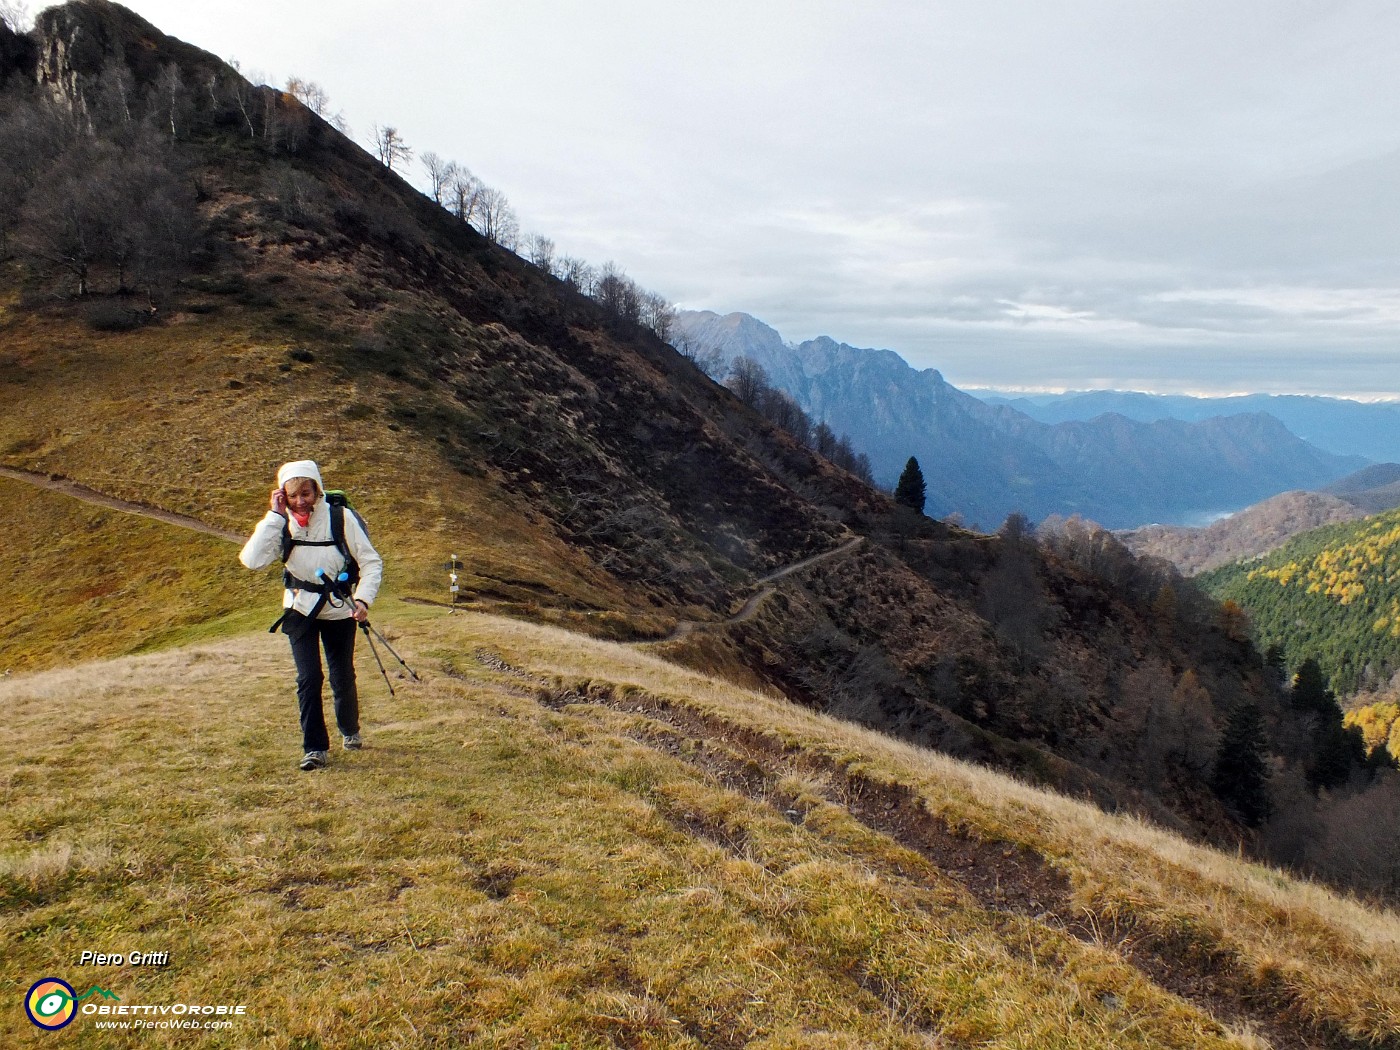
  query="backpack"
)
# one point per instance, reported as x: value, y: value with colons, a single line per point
x: 339, y: 503
x: 290, y: 622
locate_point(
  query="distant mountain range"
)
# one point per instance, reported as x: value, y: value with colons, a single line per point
x: 985, y: 461
x: 1347, y: 428
x: 1373, y: 489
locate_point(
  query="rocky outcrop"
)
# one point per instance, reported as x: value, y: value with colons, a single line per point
x: 70, y: 46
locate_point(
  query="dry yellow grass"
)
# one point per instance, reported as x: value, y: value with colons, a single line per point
x: 82, y: 582
x: 496, y: 872
x: 195, y: 416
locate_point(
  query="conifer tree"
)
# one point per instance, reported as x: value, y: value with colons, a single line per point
x: 1311, y: 690
x: 911, y: 491
x: 1241, y: 774
x: 1336, y: 750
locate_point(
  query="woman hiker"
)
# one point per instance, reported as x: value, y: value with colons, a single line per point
x: 318, y: 540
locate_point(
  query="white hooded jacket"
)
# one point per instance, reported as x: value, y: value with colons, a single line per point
x: 264, y: 548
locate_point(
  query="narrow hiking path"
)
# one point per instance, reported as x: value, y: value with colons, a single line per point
x: 682, y: 630
x: 87, y: 495
x: 685, y: 628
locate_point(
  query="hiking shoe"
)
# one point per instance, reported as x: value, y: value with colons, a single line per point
x: 313, y: 760
x: 353, y: 742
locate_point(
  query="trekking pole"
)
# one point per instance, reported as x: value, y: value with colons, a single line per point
x: 341, y: 589
x: 371, y: 628
x: 370, y: 638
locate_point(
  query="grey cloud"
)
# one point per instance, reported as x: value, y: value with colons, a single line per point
x: 1195, y: 195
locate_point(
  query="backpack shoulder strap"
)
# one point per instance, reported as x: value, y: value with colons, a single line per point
x: 337, y: 504
x: 340, y: 503
x: 338, y: 527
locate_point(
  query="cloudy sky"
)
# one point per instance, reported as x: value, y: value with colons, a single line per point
x: 1171, y: 195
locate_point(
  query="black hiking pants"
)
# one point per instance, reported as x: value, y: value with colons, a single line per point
x: 337, y: 637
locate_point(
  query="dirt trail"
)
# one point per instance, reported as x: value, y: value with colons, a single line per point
x: 750, y: 608
x: 87, y: 495
x: 682, y: 630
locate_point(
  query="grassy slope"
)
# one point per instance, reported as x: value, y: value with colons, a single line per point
x: 150, y: 417
x: 575, y: 873
x: 473, y: 405
x: 83, y: 582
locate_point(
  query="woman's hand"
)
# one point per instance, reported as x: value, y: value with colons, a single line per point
x: 361, y: 612
x: 278, y: 501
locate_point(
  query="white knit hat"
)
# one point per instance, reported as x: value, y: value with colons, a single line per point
x: 301, y: 468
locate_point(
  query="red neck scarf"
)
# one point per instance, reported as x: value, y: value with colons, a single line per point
x: 302, y: 519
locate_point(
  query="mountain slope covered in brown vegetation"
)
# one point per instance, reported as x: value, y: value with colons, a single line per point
x: 1253, y: 531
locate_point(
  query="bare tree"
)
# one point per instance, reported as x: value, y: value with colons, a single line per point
x: 390, y: 147
x: 311, y: 95
x: 1011, y: 596
x: 114, y: 105
x: 61, y: 223
x: 577, y: 274
x: 1143, y: 710
x: 272, y: 118
x: 658, y: 315
x: 440, y: 174
x: 1196, y: 735
x: 618, y: 294
x: 748, y: 380
x: 243, y: 94
x: 172, y: 101
x: 539, y: 249
x: 464, y: 193
x: 495, y: 218
x: 103, y: 204
x: 34, y: 132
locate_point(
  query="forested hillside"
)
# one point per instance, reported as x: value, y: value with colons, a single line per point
x: 1332, y: 594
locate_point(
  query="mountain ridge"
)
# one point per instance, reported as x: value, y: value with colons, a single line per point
x: 1339, y: 425
x: 988, y: 461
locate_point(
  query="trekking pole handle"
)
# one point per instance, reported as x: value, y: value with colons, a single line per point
x: 340, y: 586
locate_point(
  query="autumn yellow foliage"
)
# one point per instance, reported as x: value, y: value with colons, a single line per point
x: 1379, y: 724
x: 1341, y: 572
